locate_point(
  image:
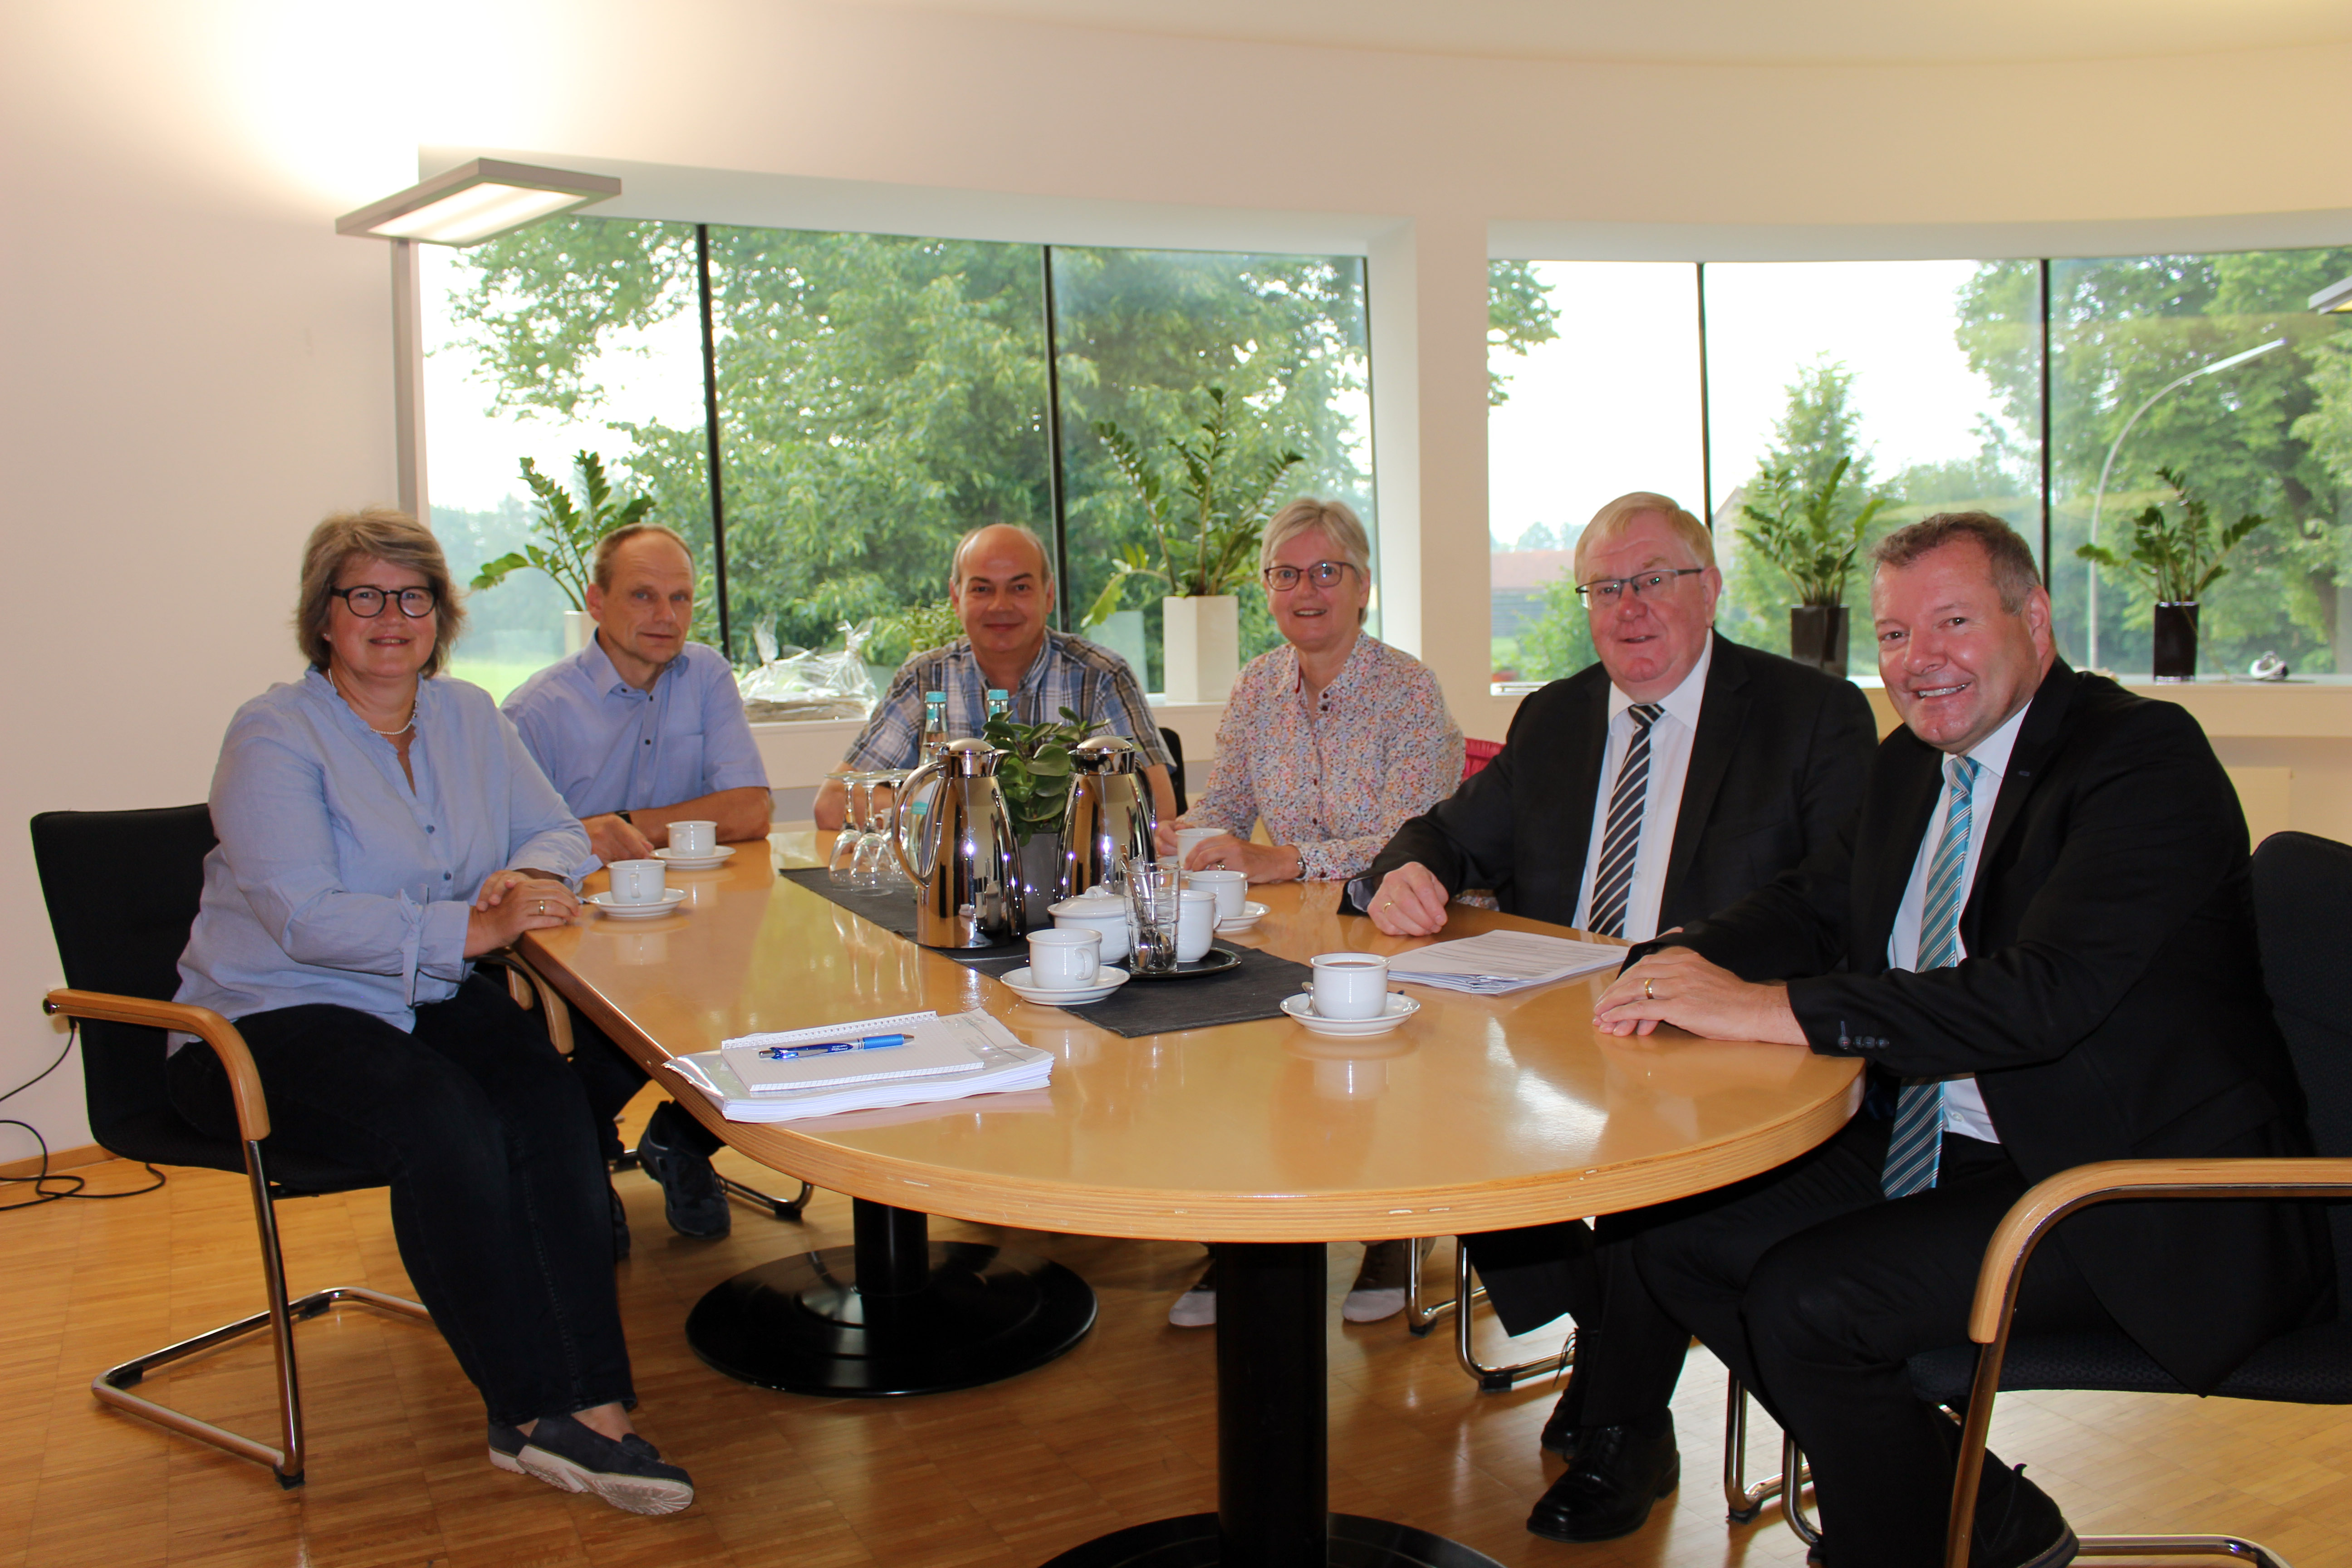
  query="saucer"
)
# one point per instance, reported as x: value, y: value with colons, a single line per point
x: 671, y: 897
x: 681, y: 862
x: 1302, y: 1007
x: 1251, y: 914
x: 1106, y: 980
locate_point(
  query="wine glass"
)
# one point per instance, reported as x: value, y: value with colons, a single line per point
x: 891, y: 874
x: 873, y: 845
x: 842, y: 870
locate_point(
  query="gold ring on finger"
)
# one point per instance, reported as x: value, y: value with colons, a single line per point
x: 1649, y: 989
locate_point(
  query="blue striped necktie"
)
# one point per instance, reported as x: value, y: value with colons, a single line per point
x: 1918, y: 1145
x: 1621, y: 837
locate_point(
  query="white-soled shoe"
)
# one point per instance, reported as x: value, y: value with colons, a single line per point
x: 1197, y: 1308
x: 1379, y: 1289
x: 629, y: 1474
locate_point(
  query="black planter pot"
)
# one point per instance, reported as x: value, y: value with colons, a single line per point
x: 2176, y: 641
x: 1817, y: 637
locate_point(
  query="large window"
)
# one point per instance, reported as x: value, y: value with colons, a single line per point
x: 875, y: 398
x: 1927, y: 378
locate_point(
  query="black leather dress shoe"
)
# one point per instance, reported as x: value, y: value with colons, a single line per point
x: 1560, y: 1435
x: 2018, y: 1525
x: 1607, y: 1492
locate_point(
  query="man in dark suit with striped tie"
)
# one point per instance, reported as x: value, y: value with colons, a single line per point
x: 2039, y: 928
x: 1675, y: 777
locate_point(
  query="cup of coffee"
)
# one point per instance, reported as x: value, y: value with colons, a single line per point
x: 1063, y: 959
x: 1187, y: 836
x: 1196, y: 924
x: 638, y: 881
x: 695, y: 839
x: 1232, y: 888
x: 1350, y: 985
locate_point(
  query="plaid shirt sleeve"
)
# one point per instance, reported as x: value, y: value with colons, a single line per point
x: 1113, y: 695
x: 893, y: 735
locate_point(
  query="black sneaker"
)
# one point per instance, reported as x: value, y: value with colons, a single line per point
x: 506, y: 1447
x: 628, y: 1473
x: 692, y: 1199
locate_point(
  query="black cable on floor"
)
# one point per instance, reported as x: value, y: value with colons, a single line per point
x: 40, y: 1182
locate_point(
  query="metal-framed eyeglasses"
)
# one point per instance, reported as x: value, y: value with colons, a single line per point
x: 368, y: 603
x: 1658, y: 583
x: 1323, y: 575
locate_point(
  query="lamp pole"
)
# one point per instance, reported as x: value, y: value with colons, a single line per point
x: 2099, y: 496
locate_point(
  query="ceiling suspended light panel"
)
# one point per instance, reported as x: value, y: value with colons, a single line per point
x: 477, y: 201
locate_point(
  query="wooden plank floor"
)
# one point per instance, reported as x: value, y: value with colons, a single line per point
x: 1121, y: 1431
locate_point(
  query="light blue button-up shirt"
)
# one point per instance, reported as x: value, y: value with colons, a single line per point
x: 607, y: 746
x: 333, y: 880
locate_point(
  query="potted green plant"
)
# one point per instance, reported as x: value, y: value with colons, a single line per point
x: 1207, y: 549
x: 1800, y: 531
x: 564, y: 546
x: 1034, y: 778
x: 2176, y: 561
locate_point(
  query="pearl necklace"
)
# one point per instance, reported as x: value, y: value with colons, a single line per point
x: 388, y: 734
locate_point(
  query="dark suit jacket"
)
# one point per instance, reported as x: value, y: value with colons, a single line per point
x: 1776, y: 768
x: 2111, y: 1004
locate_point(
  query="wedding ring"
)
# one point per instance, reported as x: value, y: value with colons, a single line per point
x: 1649, y: 989
x: 542, y: 906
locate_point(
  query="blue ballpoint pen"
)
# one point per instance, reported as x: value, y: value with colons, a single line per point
x: 827, y: 1047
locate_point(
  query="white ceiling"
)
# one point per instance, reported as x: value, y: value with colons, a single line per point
x: 1732, y: 32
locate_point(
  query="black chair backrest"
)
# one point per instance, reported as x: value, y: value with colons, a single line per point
x: 1176, y: 774
x: 2302, y: 909
x: 122, y: 889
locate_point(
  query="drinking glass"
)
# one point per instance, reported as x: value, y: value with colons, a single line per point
x: 891, y: 874
x: 874, y: 857
x: 842, y: 870
x: 1155, y: 898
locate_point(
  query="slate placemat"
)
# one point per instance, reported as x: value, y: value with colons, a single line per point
x: 1252, y: 990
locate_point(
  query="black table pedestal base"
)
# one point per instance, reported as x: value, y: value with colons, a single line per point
x: 895, y: 1314
x: 1191, y: 1541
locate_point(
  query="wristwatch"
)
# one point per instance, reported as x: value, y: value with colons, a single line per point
x: 624, y: 816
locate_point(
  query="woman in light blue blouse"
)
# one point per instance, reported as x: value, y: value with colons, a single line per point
x: 380, y: 828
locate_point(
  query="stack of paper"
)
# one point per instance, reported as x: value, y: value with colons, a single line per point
x: 946, y: 1059
x: 1502, y: 961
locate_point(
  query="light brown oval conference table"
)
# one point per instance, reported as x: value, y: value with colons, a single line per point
x: 1479, y: 1113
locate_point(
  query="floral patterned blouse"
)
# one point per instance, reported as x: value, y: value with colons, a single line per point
x: 1334, y: 776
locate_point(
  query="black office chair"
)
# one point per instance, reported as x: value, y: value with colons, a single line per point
x: 1175, y: 743
x: 122, y: 889
x: 2302, y: 905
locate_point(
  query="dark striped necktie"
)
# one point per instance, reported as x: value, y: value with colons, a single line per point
x: 1620, y: 840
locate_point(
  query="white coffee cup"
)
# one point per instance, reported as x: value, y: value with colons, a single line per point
x: 698, y: 840
x: 1232, y: 888
x: 1096, y: 912
x: 638, y: 881
x: 1196, y: 925
x: 1187, y: 836
x: 1350, y: 984
x: 1063, y: 959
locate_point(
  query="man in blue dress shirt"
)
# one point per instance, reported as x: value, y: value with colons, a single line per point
x: 639, y: 730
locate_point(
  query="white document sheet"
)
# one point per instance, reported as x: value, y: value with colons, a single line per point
x: 1503, y: 961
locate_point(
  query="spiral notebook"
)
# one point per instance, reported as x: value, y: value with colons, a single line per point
x: 935, y: 1045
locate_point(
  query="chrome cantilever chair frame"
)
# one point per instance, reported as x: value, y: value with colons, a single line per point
x: 1421, y: 1316
x: 277, y: 1319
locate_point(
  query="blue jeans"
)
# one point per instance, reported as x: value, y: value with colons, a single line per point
x: 499, y: 1198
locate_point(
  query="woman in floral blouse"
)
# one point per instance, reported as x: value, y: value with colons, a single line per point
x: 1333, y: 740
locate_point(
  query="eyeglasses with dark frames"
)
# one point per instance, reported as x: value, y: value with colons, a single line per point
x: 1657, y: 582
x: 1323, y: 575
x: 368, y: 603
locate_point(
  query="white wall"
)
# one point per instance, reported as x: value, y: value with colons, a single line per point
x: 194, y: 367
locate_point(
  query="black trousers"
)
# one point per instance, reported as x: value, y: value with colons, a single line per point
x: 1629, y: 1351
x: 1814, y: 1289
x: 610, y: 1079
x: 498, y: 1201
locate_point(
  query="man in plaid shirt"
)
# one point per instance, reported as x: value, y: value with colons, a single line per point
x: 1003, y: 591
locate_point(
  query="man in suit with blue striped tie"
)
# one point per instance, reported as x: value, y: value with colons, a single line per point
x: 2039, y: 934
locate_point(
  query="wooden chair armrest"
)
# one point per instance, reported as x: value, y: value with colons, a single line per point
x: 244, y: 1077
x: 524, y: 983
x: 2054, y: 1197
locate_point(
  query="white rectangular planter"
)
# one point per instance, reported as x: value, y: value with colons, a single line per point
x: 1201, y: 644
x: 579, y: 626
